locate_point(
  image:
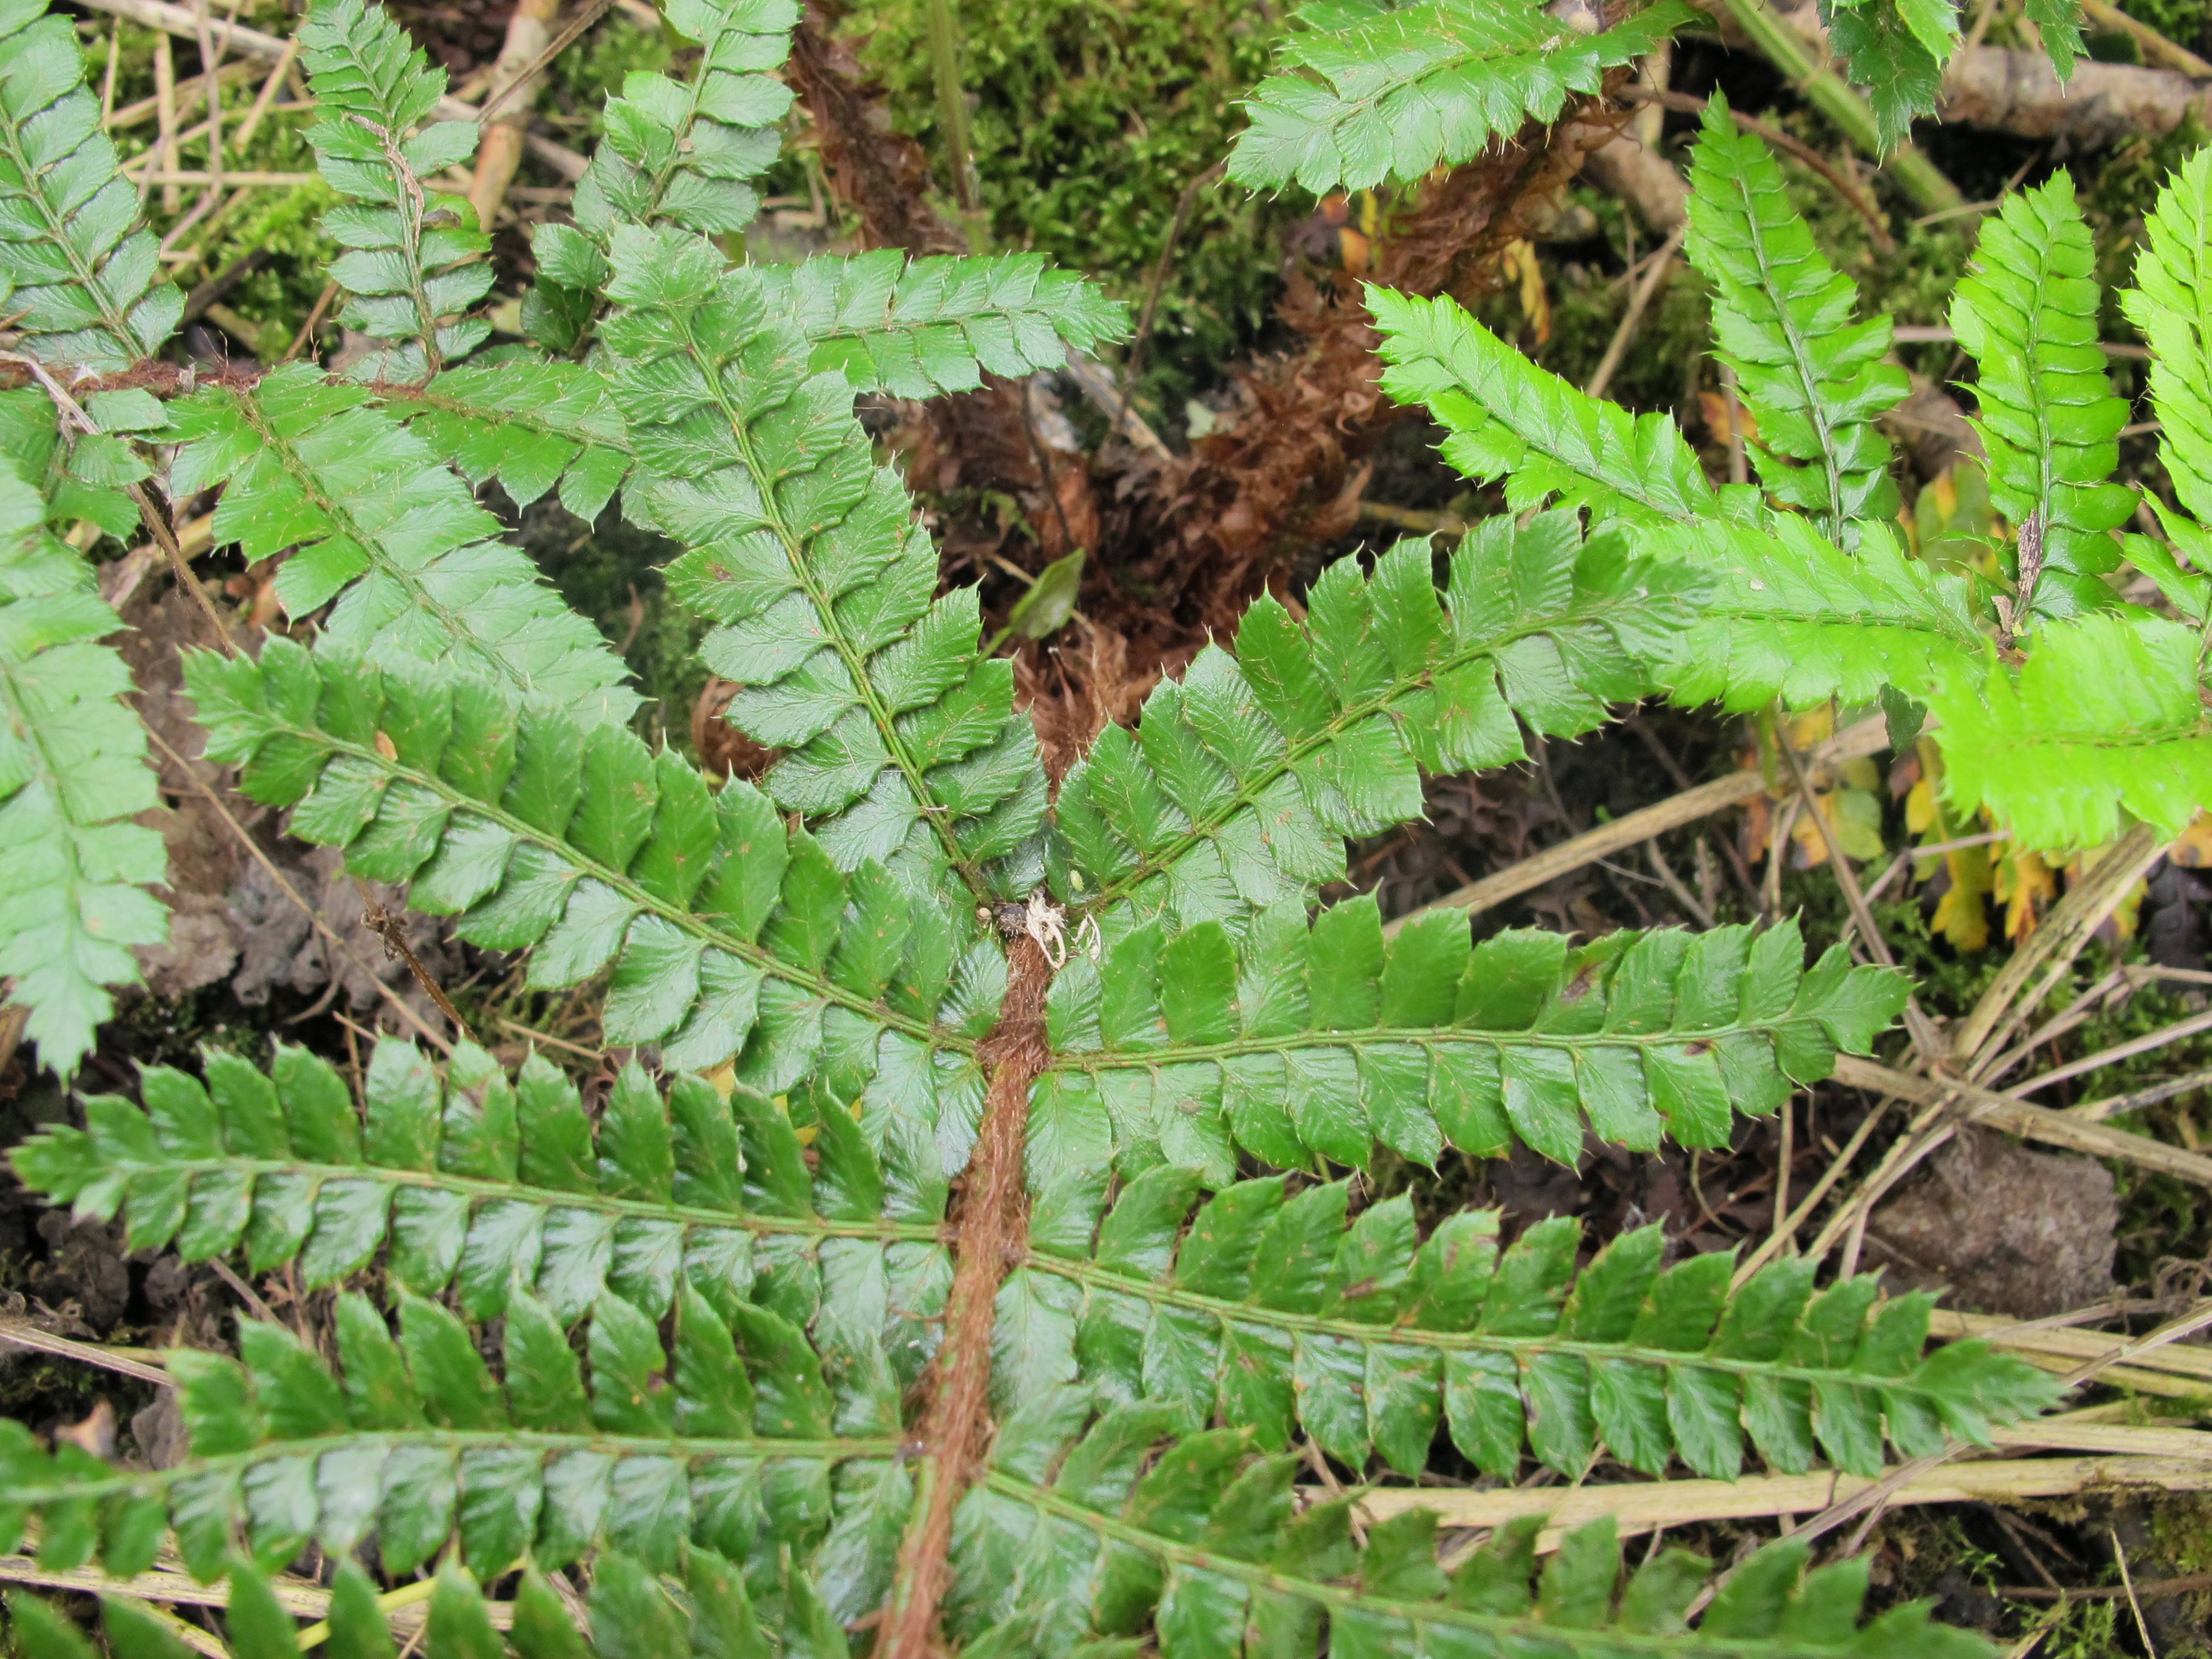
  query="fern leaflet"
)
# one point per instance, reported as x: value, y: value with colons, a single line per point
x: 414, y: 260
x: 1812, y: 380
x: 72, y: 773
x: 2049, y: 419
x: 78, y: 274
x: 1370, y: 92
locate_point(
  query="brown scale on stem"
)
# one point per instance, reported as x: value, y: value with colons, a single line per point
x: 991, y: 1231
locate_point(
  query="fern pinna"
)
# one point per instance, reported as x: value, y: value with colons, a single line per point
x: 962, y: 1255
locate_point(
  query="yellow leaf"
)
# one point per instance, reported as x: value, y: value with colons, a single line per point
x: 2025, y: 886
x: 1519, y: 261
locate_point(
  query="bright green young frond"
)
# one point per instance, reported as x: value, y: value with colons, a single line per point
x: 1241, y: 780
x: 2049, y: 419
x: 1796, y: 618
x: 1301, y: 1039
x: 808, y: 556
x: 72, y: 773
x: 1812, y: 378
x: 1076, y: 1530
x: 726, y: 937
x: 1275, y: 1314
x: 381, y: 526
x: 1369, y: 92
x: 932, y: 325
x: 679, y: 153
x: 414, y: 260
x: 2103, y: 716
x: 2172, y: 304
x: 1510, y: 418
x: 78, y: 274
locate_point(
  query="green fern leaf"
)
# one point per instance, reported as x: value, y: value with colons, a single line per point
x: 920, y: 328
x: 1508, y: 419
x: 2171, y: 305
x: 725, y: 938
x: 530, y: 425
x: 1796, y: 618
x: 1273, y: 1312
x: 1896, y: 49
x: 72, y: 775
x: 2102, y: 716
x: 1814, y: 380
x: 807, y: 555
x: 2049, y: 420
x: 1324, y: 1040
x: 414, y: 260
x: 384, y: 528
x: 1242, y: 779
x: 1369, y: 92
x: 674, y: 153
x: 78, y: 276
x: 1076, y: 1530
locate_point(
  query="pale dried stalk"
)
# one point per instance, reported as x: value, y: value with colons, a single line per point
x: 21, y: 1333
x: 1641, y: 1507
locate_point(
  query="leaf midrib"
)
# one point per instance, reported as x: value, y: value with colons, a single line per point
x: 1119, y: 1060
x: 1161, y: 1293
x: 134, y: 1483
x: 87, y: 278
x: 550, y: 1198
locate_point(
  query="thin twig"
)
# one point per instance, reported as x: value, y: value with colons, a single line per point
x: 315, y: 317
x: 263, y: 98
x: 1135, y: 355
x: 1637, y: 300
x: 2120, y: 1051
x: 21, y: 1333
x: 2117, y: 1105
x: 2127, y: 1582
x: 593, y: 11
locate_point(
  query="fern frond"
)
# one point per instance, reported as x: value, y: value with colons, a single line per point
x: 415, y: 261
x: 72, y: 775
x: 726, y: 938
x: 2103, y: 715
x: 381, y: 526
x: 488, y: 1186
x: 1296, y: 1041
x: 1272, y: 1314
x: 2172, y: 304
x: 2049, y: 420
x: 918, y: 328
x: 1368, y: 92
x: 808, y: 556
x: 1896, y: 49
x: 1077, y: 1530
x: 1796, y: 618
x: 674, y: 153
x: 1242, y: 779
x: 1814, y: 380
x: 78, y: 274
x: 530, y: 425
x: 420, y: 1442
x: 1510, y: 418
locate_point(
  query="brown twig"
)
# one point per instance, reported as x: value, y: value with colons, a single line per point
x: 386, y: 927
x: 315, y: 317
x: 1135, y: 358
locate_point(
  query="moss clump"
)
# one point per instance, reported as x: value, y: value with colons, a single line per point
x: 1090, y: 119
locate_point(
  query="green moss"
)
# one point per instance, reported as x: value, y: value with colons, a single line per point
x: 1090, y: 118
